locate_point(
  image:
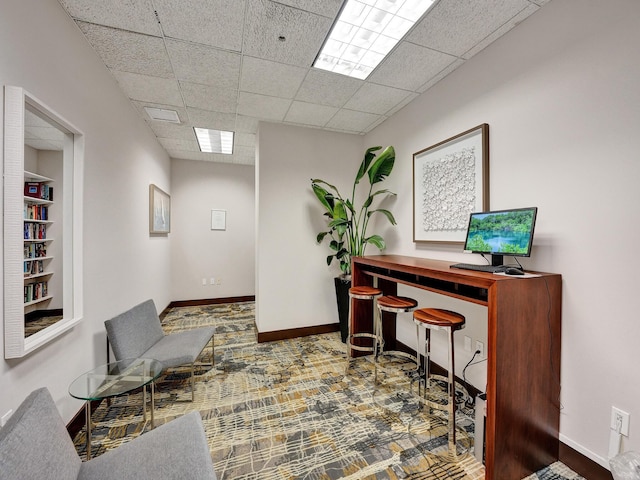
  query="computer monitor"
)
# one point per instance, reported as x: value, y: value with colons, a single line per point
x: 501, y: 232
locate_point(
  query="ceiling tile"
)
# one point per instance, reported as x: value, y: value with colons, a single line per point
x: 263, y: 107
x: 179, y: 144
x: 352, y: 121
x: 375, y: 123
x: 502, y: 30
x: 128, y: 51
x: 246, y: 124
x: 212, y: 120
x: 149, y: 89
x: 170, y: 130
x: 201, y: 21
x: 310, y: 114
x: 455, y: 26
x: 244, y: 155
x: 270, y: 78
x: 327, y: 88
x: 245, y: 139
x: 326, y: 8
x: 374, y: 98
x: 200, y: 156
x: 182, y: 112
x: 266, y: 21
x: 443, y: 73
x: 207, y: 97
x: 410, y: 98
x: 135, y: 16
x: 205, y: 65
x: 424, y: 62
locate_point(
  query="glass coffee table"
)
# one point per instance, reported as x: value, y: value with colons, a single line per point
x: 114, y: 379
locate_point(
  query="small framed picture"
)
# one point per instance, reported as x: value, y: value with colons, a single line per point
x: 218, y: 219
x: 159, y: 210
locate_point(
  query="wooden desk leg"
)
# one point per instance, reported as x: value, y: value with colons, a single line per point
x: 87, y: 414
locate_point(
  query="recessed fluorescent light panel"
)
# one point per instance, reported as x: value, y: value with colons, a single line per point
x: 214, y: 141
x: 365, y: 32
x: 162, y: 114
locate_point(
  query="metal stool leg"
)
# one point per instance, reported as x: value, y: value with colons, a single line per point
x: 452, y: 397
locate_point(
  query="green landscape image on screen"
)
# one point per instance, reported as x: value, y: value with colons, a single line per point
x: 502, y: 232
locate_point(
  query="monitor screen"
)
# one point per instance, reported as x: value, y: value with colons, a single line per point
x: 503, y: 232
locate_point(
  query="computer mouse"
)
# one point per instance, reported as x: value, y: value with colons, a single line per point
x: 513, y: 271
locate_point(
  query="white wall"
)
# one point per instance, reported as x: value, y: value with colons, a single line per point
x: 44, y: 52
x: 294, y: 285
x: 560, y: 93
x: 198, y: 252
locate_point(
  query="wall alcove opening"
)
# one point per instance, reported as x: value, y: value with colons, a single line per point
x: 42, y: 199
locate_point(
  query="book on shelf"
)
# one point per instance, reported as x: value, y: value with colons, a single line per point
x: 36, y: 212
x: 35, y: 291
x: 39, y: 190
x: 35, y: 231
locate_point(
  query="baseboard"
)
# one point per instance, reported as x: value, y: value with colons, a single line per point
x: 211, y: 301
x: 583, y: 465
x: 37, y: 314
x: 297, y: 332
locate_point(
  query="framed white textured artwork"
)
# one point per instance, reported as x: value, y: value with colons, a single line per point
x: 159, y: 210
x: 450, y: 181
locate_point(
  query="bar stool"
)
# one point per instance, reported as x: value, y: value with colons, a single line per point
x: 363, y: 293
x: 393, y: 304
x: 439, y: 319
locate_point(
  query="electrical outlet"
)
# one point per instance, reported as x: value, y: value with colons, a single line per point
x: 480, y: 347
x: 204, y: 282
x: 5, y: 418
x: 212, y: 281
x: 620, y: 421
x: 467, y: 344
x: 218, y: 281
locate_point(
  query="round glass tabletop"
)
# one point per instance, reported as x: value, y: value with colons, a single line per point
x: 115, y: 378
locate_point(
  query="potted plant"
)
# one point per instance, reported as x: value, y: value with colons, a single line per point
x: 348, y: 223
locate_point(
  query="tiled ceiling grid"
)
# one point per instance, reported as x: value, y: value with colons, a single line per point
x: 221, y: 64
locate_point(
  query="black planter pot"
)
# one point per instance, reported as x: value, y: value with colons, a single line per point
x: 342, y: 297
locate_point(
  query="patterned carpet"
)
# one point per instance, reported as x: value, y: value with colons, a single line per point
x: 285, y: 410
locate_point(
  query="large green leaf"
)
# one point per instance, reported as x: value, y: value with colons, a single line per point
x: 386, y: 213
x: 383, y: 166
x: 376, y: 240
x: 326, y: 199
x: 366, y: 161
x: 321, y: 236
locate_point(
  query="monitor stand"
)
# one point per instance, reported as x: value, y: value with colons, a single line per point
x: 497, y: 260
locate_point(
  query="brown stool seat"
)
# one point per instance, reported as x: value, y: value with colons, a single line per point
x: 396, y: 303
x: 364, y: 291
x: 440, y: 318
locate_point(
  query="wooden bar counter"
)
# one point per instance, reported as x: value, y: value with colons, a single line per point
x: 523, y: 351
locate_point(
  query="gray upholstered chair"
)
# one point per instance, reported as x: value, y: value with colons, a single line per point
x: 137, y: 333
x: 34, y: 444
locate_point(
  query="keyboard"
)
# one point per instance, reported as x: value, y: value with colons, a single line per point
x: 479, y: 268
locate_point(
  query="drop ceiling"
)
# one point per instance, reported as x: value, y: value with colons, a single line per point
x: 222, y: 64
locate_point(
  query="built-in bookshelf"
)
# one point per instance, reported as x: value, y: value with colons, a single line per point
x: 38, y: 198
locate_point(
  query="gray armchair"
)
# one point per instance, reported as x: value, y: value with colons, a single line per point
x: 137, y: 333
x: 34, y: 444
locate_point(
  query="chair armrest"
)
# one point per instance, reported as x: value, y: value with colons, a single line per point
x: 175, y: 450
